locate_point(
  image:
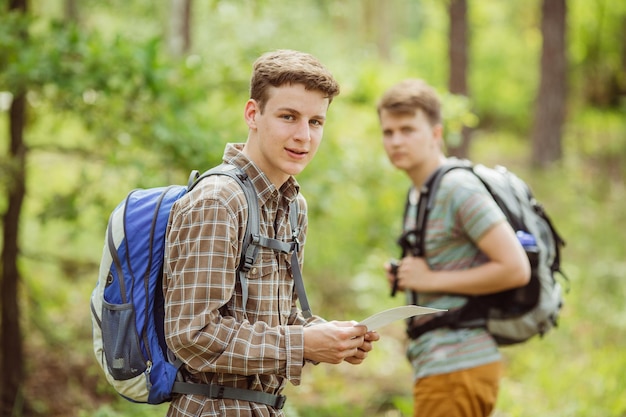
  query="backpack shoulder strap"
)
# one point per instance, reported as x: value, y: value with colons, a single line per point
x: 295, y: 264
x: 253, y: 240
x: 413, y: 241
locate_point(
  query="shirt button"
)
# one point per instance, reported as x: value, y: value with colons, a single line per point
x: 253, y: 271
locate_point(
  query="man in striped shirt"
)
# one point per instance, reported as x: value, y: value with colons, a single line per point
x: 263, y: 344
x: 470, y: 250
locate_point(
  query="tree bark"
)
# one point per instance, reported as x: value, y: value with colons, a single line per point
x: 457, y: 53
x: 550, y: 105
x: 11, y: 362
x: 11, y: 351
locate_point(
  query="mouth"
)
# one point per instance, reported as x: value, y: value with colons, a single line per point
x: 397, y: 155
x: 297, y: 153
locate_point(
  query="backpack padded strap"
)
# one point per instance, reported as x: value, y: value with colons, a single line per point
x: 251, y: 248
x: 299, y: 284
x: 249, y: 252
x: 220, y: 392
x: 459, y: 318
x: 295, y: 264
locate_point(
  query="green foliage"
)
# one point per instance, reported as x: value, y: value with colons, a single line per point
x: 596, y: 49
x: 504, y: 91
x: 578, y: 368
x: 457, y: 113
x: 125, y: 410
x: 111, y: 110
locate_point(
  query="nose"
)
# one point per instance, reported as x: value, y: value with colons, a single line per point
x: 303, y: 131
x: 393, y: 138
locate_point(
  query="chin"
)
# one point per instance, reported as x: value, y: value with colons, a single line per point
x: 294, y: 169
x: 293, y: 172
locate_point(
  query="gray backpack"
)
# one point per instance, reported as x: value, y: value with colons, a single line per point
x: 511, y: 316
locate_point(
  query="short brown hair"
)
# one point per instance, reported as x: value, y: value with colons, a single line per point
x: 290, y: 67
x: 409, y: 96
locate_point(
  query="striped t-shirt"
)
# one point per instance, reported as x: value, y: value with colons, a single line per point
x: 462, y: 213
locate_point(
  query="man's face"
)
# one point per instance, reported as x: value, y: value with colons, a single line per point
x: 409, y: 139
x: 284, y: 138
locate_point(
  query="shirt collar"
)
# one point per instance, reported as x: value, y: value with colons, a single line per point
x: 265, y: 189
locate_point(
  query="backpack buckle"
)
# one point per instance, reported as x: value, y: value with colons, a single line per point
x: 280, y: 402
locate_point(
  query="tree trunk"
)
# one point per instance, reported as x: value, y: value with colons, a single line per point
x: 457, y: 52
x: 382, y: 20
x: 11, y: 353
x: 11, y: 363
x: 180, y: 27
x: 622, y: 79
x: 71, y: 11
x: 551, y: 98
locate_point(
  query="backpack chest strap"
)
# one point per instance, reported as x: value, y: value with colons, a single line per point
x: 275, y: 244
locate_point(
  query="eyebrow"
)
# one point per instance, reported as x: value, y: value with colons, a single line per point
x: 291, y: 110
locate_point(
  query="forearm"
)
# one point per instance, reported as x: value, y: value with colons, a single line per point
x: 228, y: 346
x: 487, y: 278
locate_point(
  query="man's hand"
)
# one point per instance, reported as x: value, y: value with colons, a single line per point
x: 413, y: 274
x: 369, y: 339
x: 336, y: 341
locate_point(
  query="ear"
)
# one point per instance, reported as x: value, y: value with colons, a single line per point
x: 250, y: 112
x: 438, y: 136
x: 438, y: 131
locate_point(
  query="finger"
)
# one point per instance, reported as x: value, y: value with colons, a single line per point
x: 372, y: 336
x: 354, y: 361
x: 356, y: 342
x: 366, y: 347
x: 360, y: 354
x: 350, y: 323
x: 357, y: 330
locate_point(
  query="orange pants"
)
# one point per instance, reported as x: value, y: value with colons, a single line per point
x: 467, y: 393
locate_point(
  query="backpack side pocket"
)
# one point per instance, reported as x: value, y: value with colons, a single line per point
x: 124, y: 357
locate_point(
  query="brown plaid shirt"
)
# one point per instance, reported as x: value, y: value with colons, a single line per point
x: 258, y: 346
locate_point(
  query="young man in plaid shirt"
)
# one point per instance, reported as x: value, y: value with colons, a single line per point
x: 266, y: 342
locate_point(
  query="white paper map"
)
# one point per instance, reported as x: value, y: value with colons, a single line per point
x: 386, y: 317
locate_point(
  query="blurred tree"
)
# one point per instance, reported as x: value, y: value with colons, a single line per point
x: 551, y: 98
x: 457, y: 80
x: 108, y: 110
x: 71, y: 11
x: 600, y: 38
x: 378, y: 18
x: 179, y: 40
x: 129, y: 118
x: 621, y: 77
x: 11, y: 351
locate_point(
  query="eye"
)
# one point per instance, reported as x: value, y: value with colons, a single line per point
x: 316, y: 122
x: 288, y: 117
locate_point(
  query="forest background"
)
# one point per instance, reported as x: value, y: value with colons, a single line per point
x: 108, y: 96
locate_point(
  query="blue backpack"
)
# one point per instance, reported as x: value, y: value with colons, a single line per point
x: 127, y: 303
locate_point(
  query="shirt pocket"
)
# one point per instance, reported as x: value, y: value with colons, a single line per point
x: 261, y: 282
x: 264, y: 268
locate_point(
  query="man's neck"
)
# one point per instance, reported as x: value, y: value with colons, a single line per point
x: 420, y: 175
